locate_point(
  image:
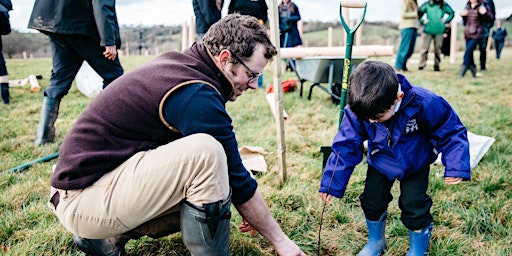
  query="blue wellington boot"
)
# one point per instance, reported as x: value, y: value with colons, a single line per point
x: 376, y: 237
x: 420, y: 241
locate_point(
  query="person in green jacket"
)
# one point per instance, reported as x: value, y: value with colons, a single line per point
x: 434, y: 15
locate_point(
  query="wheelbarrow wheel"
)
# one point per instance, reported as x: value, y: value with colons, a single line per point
x: 336, y: 93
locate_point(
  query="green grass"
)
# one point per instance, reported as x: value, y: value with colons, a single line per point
x: 473, y: 218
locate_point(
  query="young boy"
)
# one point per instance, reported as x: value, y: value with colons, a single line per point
x: 406, y: 126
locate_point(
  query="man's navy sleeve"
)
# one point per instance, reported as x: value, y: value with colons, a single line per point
x: 198, y: 108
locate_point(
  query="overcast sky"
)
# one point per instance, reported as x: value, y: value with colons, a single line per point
x: 175, y: 12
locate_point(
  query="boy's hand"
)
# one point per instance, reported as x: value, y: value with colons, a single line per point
x: 452, y: 180
x: 325, y: 197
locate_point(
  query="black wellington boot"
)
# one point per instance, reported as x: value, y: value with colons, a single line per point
x: 46, y: 128
x: 5, y: 93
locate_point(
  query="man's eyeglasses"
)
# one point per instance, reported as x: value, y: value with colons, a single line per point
x: 252, y: 73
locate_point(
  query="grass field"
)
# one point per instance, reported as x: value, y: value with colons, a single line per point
x: 473, y: 218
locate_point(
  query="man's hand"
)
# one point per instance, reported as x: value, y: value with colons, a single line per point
x: 325, y: 197
x: 246, y: 227
x: 288, y: 248
x: 256, y: 212
x: 110, y: 52
x: 452, y: 180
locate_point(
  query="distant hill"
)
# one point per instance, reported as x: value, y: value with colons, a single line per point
x: 157, y: 39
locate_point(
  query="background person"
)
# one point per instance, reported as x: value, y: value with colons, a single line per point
x: 487, y: 25
x: 434, y: 15
x: 289, y: 15
x: 409, y: 32
x: 405, y: 127
x: 499, y: 35
x: 155, y: 152
x: 474, y: 17
x: 5, y: 29
x: 206, y: 13
x: 91, y: 34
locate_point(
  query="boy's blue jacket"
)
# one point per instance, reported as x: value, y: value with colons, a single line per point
x: 424, y: 125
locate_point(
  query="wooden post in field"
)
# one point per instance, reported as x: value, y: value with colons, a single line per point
x: 329, y: 37
x: 453, y: 43
x: 278, y: 92
x: 127, y: 49
x: 191, y: 31
x: 184, y: 36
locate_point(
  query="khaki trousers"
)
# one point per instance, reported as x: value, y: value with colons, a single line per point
x: 438, y: 43
x: 147, y: 185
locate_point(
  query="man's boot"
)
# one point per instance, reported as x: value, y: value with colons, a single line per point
x: 205, y: 230
x: 376, y: 237
x: 420, y: 241
x: 5, y: 93
x: 46, y: 128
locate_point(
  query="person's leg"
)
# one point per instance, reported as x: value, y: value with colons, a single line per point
x: 412, y: 44
x: 415, y: 205
x: 438, y: 43
x: 499, y: 46
x: 426, y: 38
x: 468, y: 62
x: 403, y: 49
x: 91, y: 51
x: 146, y: 186
x: 4, y: 80
x: 374, y: 201
x: 65, y: 65
x: 482, y: 47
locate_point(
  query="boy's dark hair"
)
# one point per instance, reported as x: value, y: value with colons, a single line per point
x: 373, y: 88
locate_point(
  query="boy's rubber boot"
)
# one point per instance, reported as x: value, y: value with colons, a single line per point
x: 205, y: 230
x: 376, y: 237
x: 156, y: 228
x: 5, y: 93
x: 46, y: 128
x: 420, y: 241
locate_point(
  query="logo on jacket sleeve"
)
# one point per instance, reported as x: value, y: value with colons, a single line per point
x: 411, y: 127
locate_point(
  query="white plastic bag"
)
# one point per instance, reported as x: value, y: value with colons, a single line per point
x: 478, y: 146
x: 89, y: 83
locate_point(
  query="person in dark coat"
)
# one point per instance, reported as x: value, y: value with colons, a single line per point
x: 5, y: 29
x: 91, y: 34
x: 474, y: 17
x: 289, y: 15
x: 206, y: 12
x: 499, y: 35
x: 255, y: 8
